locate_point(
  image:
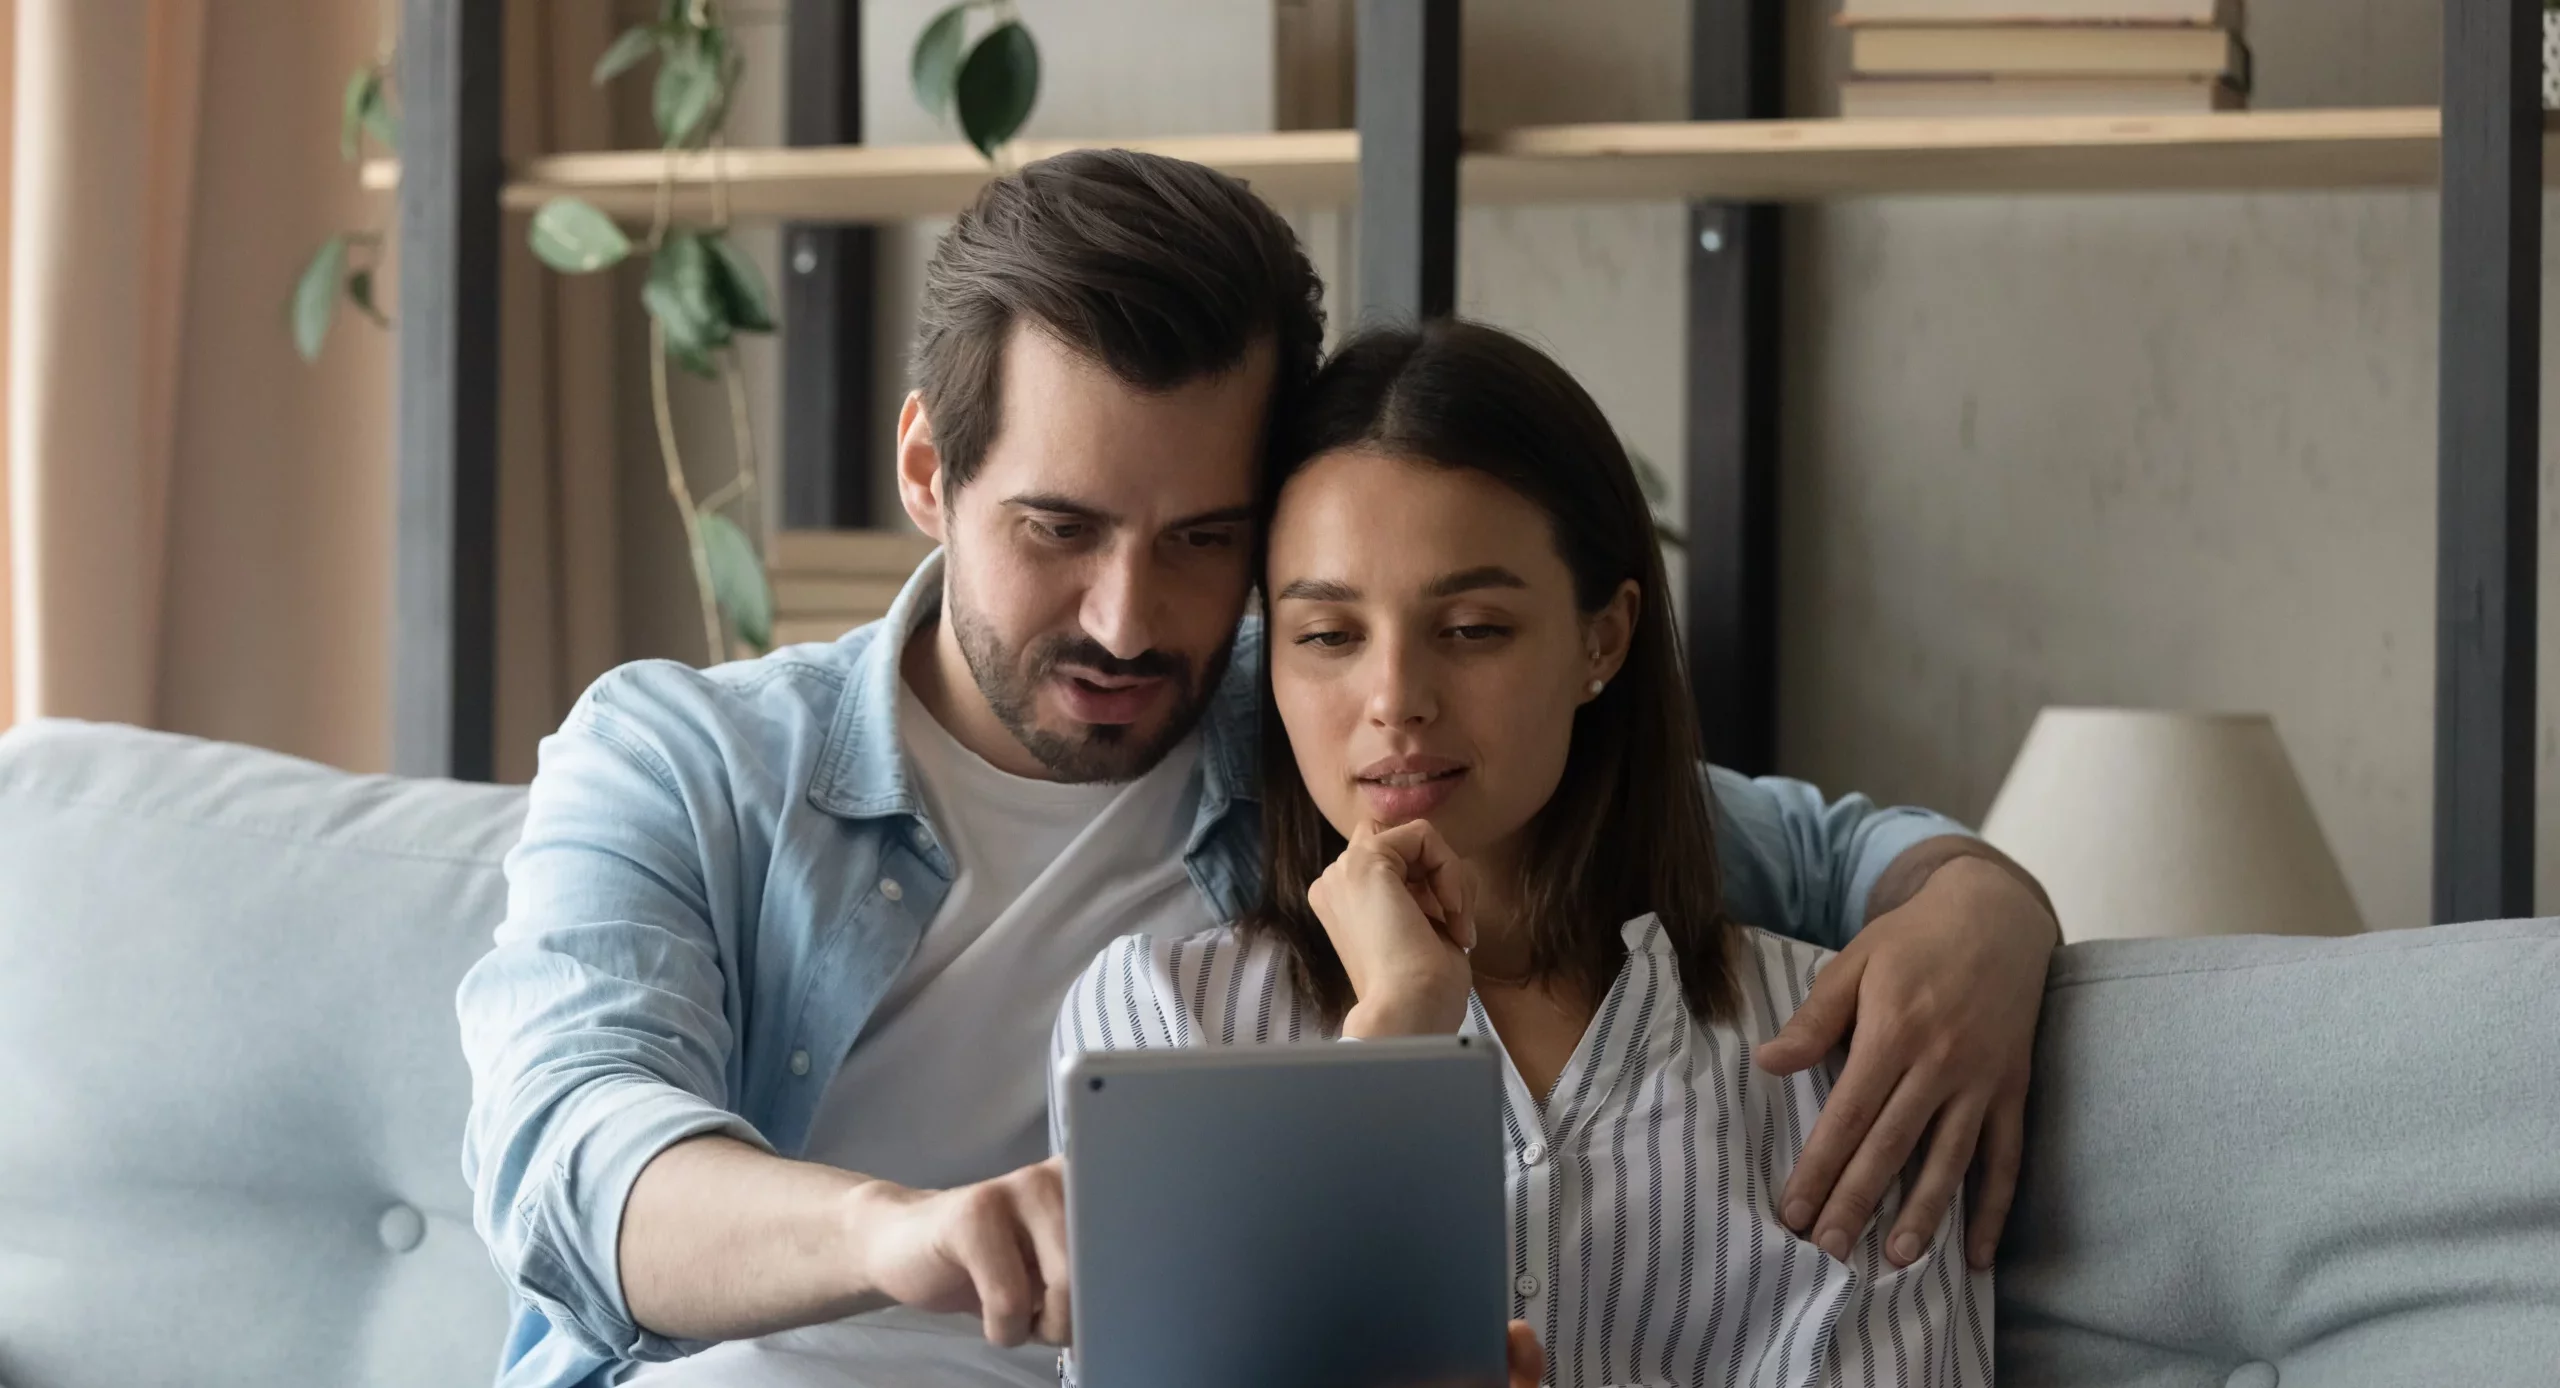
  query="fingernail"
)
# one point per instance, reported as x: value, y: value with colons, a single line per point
x: 1906, y: 1249
x: 1799, y: 1214
x: 1836, y: 1244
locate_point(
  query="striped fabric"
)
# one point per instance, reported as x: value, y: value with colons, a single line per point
x: 1645, y: 1241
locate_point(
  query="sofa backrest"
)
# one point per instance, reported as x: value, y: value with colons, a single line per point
x: 231, y: 1090
x: 2306, y: 1161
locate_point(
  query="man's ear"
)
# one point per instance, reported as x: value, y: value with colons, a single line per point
x: 1609, y: 632
x: 920, y: 468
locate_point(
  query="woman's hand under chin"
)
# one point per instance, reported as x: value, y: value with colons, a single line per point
x: 1396, y: 906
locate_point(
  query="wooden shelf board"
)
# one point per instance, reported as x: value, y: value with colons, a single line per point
x: 1786, y: 161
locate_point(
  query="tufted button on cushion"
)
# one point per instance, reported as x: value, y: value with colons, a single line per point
x: 2252, y: 1375
x: 402, y: 1228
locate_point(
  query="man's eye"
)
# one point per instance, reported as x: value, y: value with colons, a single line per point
x: 1223, y: 537
x: 1061, y: 532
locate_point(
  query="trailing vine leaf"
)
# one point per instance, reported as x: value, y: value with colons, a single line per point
x: 570, y: 235
x: 743, y: 298
x: 360, y: 293
x: 680, y: 296
x: 935, y: 65
x: 997, y: 86
x: 737, y: 579
x: 364, y: 91
x: 315, y: 297
x: 381, y: 119
x: 636, y: 43
x: 693, y: 79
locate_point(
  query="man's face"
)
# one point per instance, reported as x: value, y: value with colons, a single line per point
x: 1097, y: 562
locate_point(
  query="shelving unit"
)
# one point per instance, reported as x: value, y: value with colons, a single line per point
x: 1755, y: 161
x: 1734, y: 164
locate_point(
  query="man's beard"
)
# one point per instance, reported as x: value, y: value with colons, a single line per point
x: 1010, y: 680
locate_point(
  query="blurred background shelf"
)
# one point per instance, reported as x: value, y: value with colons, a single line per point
x: 1778, y: 160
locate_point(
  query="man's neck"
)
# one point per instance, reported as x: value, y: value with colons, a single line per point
x: 937, y: 670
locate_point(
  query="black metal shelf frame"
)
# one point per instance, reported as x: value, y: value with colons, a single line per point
x: 444, y: 634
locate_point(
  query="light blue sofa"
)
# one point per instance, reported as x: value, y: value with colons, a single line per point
x: 230, y: 1100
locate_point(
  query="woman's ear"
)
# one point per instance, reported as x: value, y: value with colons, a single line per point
x: 1606, y: 635
x: 920, y: 468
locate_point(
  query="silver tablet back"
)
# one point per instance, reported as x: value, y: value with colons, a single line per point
x: 1324, y: 1216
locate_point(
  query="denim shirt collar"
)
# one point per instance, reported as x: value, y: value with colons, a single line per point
x: 863, y: 771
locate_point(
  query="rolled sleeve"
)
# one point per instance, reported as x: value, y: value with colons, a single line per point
x: 1802, y: 866
x: 596, y: 1028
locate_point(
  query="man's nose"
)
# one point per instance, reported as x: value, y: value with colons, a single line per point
x: 1119, y: 605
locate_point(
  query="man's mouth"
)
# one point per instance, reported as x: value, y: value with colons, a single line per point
x: 1097, y: 698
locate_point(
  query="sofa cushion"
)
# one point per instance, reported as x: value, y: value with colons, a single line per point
x: 231, y: 1090
x: 2263, y: 1161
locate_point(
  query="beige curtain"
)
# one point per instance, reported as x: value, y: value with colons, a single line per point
x: 101, y: 194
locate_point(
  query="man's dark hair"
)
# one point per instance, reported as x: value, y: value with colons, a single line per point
x: 1163, y: 271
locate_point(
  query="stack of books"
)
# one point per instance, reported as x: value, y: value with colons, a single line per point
x: 2043, y: 57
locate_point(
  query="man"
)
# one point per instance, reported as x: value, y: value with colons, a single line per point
x: 760, y: 1045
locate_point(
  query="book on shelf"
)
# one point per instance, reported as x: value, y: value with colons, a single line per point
x: 2201, y: 14
x: 1931, y: 97
x: 2043, y: 51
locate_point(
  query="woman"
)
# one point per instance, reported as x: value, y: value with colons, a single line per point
x: 1482, y: 814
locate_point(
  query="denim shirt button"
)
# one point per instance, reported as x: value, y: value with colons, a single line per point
x: 799, y: 1062
x: 889, y: 888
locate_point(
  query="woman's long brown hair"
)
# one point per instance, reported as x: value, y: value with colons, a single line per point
x: 1627, y: 830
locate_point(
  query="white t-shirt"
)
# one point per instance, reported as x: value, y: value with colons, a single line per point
x: 947, y: 1083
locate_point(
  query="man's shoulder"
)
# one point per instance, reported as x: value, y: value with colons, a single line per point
x: 781, y: 706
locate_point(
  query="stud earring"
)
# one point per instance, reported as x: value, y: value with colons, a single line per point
x: 1596, y: 686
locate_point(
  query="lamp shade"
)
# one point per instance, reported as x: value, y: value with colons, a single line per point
x: 2151, y: 823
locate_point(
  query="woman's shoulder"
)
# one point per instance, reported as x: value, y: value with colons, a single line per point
x: 1226, y: 986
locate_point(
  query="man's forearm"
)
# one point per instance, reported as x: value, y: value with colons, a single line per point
x: 722, y: 1241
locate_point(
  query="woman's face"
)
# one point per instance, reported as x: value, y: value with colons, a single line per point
x: 1427, y: 656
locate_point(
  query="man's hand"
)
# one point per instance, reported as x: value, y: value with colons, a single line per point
x: 1938, y: 998
x: 998, y: 1248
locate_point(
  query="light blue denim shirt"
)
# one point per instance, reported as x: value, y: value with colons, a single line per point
x: 722, y: 871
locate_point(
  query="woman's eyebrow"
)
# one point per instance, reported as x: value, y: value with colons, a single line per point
x: 1318, y: 590
x: 1465, y: 580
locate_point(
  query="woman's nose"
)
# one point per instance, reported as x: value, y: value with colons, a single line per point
x: 1401, y: 692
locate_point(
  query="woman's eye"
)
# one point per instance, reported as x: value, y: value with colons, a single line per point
x: 1325, y: 640
x: 1479, y: 631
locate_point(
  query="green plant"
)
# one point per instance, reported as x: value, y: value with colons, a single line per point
x: 987, y: 87
x: 342, y: 269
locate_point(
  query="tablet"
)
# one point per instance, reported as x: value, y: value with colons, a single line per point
x: 1288, y: 1216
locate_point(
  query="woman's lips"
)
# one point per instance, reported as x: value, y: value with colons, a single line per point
x: 1414, y: 789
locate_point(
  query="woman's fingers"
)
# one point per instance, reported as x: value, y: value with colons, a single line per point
x: 1434, y: 874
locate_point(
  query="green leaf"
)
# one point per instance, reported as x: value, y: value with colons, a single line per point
x: 680, y: 296
x: 936, y: 63
x: 315, y: 297
x: 997, y: 86
x: 364, y: 91
x: 360, y: 293
x: 690, y: 88
x: 572, y: 236
x: 737, y: 579
x: 382, y: 119
x: 749, y: 307
x: 636, y: 43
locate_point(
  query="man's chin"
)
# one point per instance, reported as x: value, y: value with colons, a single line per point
x: 1075, y: 751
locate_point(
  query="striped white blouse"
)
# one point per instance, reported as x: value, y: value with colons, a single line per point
x: 1645, y: 1241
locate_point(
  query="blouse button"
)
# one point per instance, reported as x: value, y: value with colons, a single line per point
x: 1534, y: 1153
x: 1526, y: 1285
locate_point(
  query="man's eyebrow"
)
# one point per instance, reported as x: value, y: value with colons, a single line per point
x: 1466, y: 580
x: 1318, y: 590
x: 1224, y: 515
x: 1059, y: 506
